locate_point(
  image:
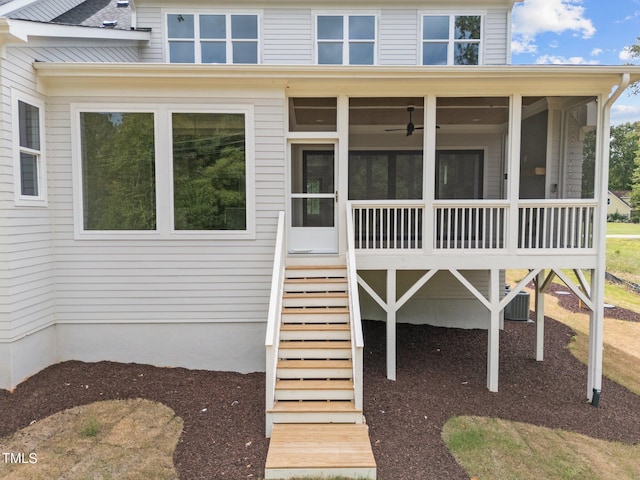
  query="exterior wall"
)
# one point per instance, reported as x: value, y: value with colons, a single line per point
x: 615, y: 205
x: 288, y: 38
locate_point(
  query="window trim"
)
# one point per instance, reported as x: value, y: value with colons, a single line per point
x: 346, y: 41
x: 163, y: 173
x: 451, y: 41
x: 40, y: 200
x: 197, y: 40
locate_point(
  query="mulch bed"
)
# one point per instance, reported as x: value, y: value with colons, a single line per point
x: 441, y: 373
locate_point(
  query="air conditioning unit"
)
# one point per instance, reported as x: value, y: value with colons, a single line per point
x: 518, y: 308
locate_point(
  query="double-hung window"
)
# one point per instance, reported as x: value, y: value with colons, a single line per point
x: 30, y: 175
x: 212, y: 38
x: 451, y: 39
x: 346, y: 39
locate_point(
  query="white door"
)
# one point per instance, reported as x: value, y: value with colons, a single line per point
x: 313, y: 199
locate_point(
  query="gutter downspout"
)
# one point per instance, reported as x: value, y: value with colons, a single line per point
x: 596, y: 323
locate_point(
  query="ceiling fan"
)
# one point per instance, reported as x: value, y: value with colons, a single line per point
x: 410, y: 128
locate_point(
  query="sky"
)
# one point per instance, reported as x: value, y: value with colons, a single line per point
x: 589, y: 32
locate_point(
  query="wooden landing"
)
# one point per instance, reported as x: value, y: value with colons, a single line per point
x: 320, y: 450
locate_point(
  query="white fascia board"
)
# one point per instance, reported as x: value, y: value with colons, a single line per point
x: 25, y: 29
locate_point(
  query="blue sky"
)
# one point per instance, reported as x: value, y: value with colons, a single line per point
x: 594, y: 32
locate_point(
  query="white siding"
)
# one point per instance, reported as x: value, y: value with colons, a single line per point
x: 496, y: 45
x: 398, y: 37
x: 45, y: 10
x: 169, y: 281
x: 27, y: 302
x: 149, y: 16
x: 287, y: 37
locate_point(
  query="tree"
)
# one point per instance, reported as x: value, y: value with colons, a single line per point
x: 635, y: 190
x: 634, y: 51
x: 623, y: 149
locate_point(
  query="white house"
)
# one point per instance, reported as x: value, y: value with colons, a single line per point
x: 149, y: 148
x: 619, y: 203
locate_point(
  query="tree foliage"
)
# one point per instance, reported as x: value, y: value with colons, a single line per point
x: 622, y: 153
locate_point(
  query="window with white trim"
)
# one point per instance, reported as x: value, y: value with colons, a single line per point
x: 346, y: 39
x: 212, y: 38
x: 30, y: 179
x: 451, y: 39
x: 164, y: 171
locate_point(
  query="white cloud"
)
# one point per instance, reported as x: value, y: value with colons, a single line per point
x: 623, y: 113
x: 625, y: 55
x: 533, y: 17
x: 559, y: 60
x: 596, y: 51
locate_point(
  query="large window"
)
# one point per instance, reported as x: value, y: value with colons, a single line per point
x: 385, y: 175
x: 209, y: 171
x: 451, y: 39
x: 212, y: 38
x: 30, y: 169
x: 346, y: 39
x: 118, y: 171
x: 164, y: 172
x: 460, y: 174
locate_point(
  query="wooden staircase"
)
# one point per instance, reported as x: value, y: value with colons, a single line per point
x: 318, y: 430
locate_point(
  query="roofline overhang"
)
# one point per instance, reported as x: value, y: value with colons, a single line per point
x: 21, y: 31
x: 485, y: 80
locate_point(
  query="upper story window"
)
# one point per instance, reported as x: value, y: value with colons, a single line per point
x: 30, y: 168
x: 451, y: 39
x: 346, y: 39
x: 212, y: 38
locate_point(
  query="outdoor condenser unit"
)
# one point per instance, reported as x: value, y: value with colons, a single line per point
x: 518, y: 308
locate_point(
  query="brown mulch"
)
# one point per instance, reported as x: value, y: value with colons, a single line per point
x: 441, y: 373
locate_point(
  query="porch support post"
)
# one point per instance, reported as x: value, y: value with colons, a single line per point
x: 539, y: 307
x: 391, y: 324
x: 493, y: 348
x: 596, y: 334
x: 513, y: 173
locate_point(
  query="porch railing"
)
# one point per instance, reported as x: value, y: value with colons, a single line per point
x: 473, y: 225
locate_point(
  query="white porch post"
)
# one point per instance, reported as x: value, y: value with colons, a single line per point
x: 539, y: 307
x: 513, y: 172
x: 596, y: 333
x: 493, y: 348
x: 391, y: 324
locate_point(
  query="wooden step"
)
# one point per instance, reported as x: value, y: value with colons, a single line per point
x: 314, y: 390
x: 320, y: 450
x: 315, y: 315
x: 315, y: 285
x: 315, y: 412
x: 315, y: 350
x: 290, y: 369
x: 315, y: 331
x: 316, y: 271
x: 317, y: 299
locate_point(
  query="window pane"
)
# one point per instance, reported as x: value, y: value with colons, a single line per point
x: 244, y: 26
x: 468, y: 28
x: 361, y: 54
x: 180, y: 26
x: 435, y: 28
x: 213, y: 26
x: 460, y: 175
x: 181, y: 52
x: 245, y: 52
x: 29, y: 126
x: 118, y: 171
x: 214, y: 52
x: 434, y: 54
x: 209, y: 171
x: 313, y: 212
x: 28, y: 174
x: 362, y: 28
x: 330, y: 53
x: 466, y: 54
x: 330, y: 28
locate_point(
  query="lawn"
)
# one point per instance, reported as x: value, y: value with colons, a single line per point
x: 623, y: 228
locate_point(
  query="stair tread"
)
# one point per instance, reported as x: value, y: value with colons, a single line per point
x: 314, y: 384
x: 312, y: 280
x: 316, y: 267
x: 315, y: 327
x: 315, y: 295
x: 316, y: 310
x: 320, y: 446
x: 321, y: 364
x: 315, y: 344
x: 315, y: 406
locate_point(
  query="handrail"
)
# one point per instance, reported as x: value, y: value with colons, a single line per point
x: 274, y: 316
x: 357, y: 337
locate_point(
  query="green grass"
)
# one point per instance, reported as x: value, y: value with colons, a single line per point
x: 623, y: 228
x: 623, y: 256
